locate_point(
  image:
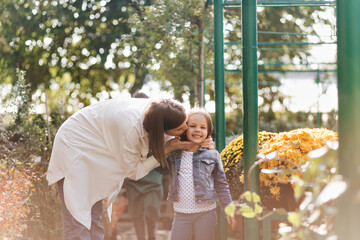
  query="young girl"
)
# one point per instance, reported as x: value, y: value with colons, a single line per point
x: 198, y: 180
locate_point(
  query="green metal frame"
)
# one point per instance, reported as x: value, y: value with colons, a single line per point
x: 219, y: 75
x: 219, y: 97
x: 283, y: 3
x: 250, y: 105
x: 348, y: 31
x: 250, y: 71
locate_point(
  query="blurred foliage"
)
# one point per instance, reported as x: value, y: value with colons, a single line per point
x: 88, y: 49
x: 78, y: 46
x: 29, y: 207
x: 318, y: 188
x: 14, y: 186
x: 282, y: 121
x: 183, y: 27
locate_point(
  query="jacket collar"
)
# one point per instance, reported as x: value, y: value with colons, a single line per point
x: 201, y: 149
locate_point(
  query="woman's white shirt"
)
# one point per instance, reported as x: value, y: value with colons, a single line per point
x: 96, y: 149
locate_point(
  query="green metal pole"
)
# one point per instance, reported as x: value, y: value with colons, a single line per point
x: 221, y: 233
x: 250, y: 101
x: 348, y: 30
x: 219, y: 75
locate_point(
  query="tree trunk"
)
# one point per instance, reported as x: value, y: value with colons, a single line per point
x: 199, y: 87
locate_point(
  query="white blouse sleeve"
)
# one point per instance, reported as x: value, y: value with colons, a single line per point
x: 141, y: 165
x: 143, y: 168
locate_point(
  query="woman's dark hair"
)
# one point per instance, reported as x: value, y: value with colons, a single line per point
x: 162, y: 115
x: 203, y: 112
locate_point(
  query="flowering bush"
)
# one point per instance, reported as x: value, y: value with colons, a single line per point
x: 232, y: 157
x: 302, y: 163
x: 316, y: 190
x: 292, y: 149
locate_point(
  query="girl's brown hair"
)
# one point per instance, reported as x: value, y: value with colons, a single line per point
x: 203, y: 112
x: 162, y: 115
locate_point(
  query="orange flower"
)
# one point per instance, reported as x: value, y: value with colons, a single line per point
x: 275, y: 191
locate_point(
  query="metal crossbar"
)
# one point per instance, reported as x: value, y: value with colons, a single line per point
x: 283, y: 43
x: 285, y: 71
x: 284, y: 3
x: 283, y: 63
x: 285, y: 33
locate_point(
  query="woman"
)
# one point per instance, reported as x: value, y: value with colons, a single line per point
x: 100, y: 145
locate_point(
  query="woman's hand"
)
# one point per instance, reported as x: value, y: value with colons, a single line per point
x: 208, y: 143
x: 175, y: 144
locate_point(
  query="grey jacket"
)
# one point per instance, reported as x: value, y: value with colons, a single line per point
x: 209, y: 177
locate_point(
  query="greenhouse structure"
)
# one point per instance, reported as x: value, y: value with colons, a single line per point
x: 348, y: 74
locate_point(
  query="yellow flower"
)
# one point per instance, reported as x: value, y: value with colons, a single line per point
x: 233, y: 161
x: 241, y: 178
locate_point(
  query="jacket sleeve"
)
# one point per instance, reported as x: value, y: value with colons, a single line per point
x: 220, y: 183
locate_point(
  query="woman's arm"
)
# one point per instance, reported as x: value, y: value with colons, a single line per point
x: 133, y: 154
x: 175, y: 144
x: 143, y: 167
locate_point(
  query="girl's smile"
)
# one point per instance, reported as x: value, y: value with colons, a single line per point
x: 197, y: 130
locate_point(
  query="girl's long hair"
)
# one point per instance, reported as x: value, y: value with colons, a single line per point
x: 162, y: 115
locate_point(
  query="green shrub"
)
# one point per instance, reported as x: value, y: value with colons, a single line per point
x: 29, y: 208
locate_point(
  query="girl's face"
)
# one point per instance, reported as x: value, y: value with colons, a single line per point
x: 178, y: 130
x: 197, y: 128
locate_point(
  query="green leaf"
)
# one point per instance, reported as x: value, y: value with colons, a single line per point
x: 230, y: 209
x: 258, y: 208
x: 294, y: 218
x: 281, y: 211
x: 255, y: 197
x: 247, y: 211
x: 299, y: 191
